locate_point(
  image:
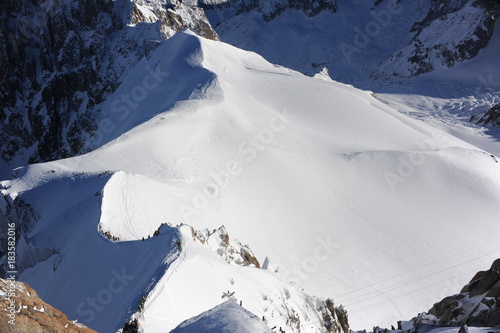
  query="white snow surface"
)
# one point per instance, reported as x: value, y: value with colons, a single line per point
x: 349, y: 198
x: 228, y: 317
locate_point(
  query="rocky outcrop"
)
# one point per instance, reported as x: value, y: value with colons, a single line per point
x: 61, y: 59
x: 490, y: 117
x: 174, y: 16
x: 451, y: 32
x: 17, y: 219
x: 335, y: 318
x: 231, y: 251
x: 477, y: 304
x: 24, y: 312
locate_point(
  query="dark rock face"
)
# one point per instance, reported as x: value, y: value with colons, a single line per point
x: 271, y: 9
x: 334, y: 317
x: 61, y: 59
x: 490, y: 117
x: 477, y: 304
x: 439, y: 9
x: 466, y: 48
x: 46, y: 81
x: 451, y: 32
x: 19, y: 214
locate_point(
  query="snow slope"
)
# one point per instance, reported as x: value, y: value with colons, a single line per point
x: 227, y: 317
x: 419, y: 56
x: 93, y: 279
x: 345, y: 196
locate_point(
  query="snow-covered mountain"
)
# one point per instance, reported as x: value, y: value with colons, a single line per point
x: 427, y: 56
x: 297, y: 198
x: 61, y: 59
x: 358, y: 39
x: 227, y: 317
x: 335, y: 193
x: 443, y: 50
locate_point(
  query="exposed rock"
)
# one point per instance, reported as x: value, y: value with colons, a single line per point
x: 477, y: 304
x: 496, y: 265
x: 174, y: 16
x: 248, y: 258
x: 61, y: 59
x: 22, y: 307
x: 463, y: 329
x: 231, y: 251
x: 490, y: 117
x: 335, y: 318
x: 17, y: 219
x: 270, y: 9
x: 451, y: 32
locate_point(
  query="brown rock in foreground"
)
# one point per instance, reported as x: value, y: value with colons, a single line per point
x: 32, y: 314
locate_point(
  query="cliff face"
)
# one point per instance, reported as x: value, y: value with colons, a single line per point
x: 490, y: 117
x: 478, y: 303
x: 62, y: 58
x: 358, y: 41
x: 270, y: 9
x: 24, y: 312
x: 450, y: 33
